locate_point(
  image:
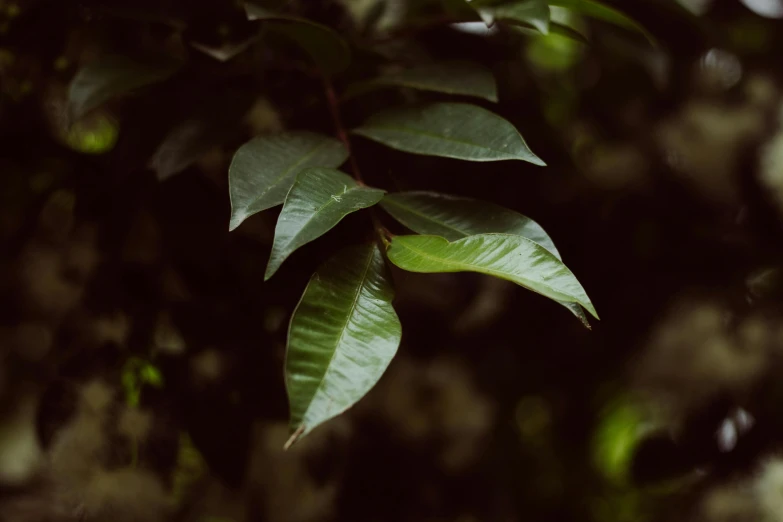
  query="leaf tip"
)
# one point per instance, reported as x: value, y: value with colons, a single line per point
x: 535, y: 160
x: 236, y: 220
x: 294, y: 437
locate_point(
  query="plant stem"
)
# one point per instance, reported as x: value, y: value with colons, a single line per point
x: 334, y: 110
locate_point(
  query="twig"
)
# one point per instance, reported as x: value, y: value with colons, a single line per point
x: 334, y: 109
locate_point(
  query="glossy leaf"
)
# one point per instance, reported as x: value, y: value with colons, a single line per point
x: 342, y: 336
x: 318, y: 200
x: 460, y: 78
x: 510, y: 257
x: 111, y: 76
x: 601, y: 11
x: 322, y: 44
x: 451, y: 130
x: 533, y: 13
x: 264, y: 169
x: 454, y: 218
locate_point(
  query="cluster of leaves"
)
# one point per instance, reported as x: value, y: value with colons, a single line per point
x: 344, y: 331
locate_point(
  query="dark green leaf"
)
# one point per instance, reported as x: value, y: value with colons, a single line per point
x: 181, y: 147
x: 452, y: 130
x: 601, y: 11
x: 264, y: 169
x: 533, y: 13
x: 460, y: 78
x: 454, y: 218
x: 111, y: 76
x: 318, y: 200
x: 510, y: 257
x: 342, y: 336
x: 558, y: 29
x: 324, y: 46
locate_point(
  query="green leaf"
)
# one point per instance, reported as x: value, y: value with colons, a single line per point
x: 451, y: 130
x: 533, y: 13
x: 454, y: 218
x: 322, y: 44
x: 342, y: 336
x: 318, y: 200
x: 510, y: 257
x: 601, y: 11
x: 460, y: 78
x: 110, y: 76
x: 557, y: 29
x: 264, y: 169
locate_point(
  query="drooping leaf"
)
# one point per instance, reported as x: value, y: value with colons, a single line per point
x: 454, y: 218
x: 317, y: 201
x: 113, y: 75
x: 180, y: 148
x: 451, y: 130
x: 601, y: 11
x: 510, y: 257
x: 342, y: 336
x: 460, y: 78
x: 263, y: 169
x: 322, y: 44
x: 532, y: 13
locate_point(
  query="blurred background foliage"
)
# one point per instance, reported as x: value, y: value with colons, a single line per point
x: 141, y: 353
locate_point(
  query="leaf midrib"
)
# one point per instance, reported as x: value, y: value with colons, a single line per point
x: 437, y: 137
x: 293, y: 166
x: 323, y: 208
x: 425, y: 216
x: 488, y: 270
x: 348, y: 316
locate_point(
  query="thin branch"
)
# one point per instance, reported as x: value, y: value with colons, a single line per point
x: 334, y: 109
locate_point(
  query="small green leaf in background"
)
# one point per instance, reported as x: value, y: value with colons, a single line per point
x: 558, y: 29
x: 601, y: 11
x: 532, y: 13
x: 510, y: 257
x: 342, y: 336
x: 454, y: 218
x: 110, y: 76
x: 451, y: 130
x: 322, y: 44
x: 264, y: 169
x: 318, y: 200
x: 460, y: 78
x: 181, y: 147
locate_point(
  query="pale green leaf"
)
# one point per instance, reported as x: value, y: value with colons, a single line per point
x: 264, y: 169
x: 322, y: 44
x: 342, y: 336
x: 454, y: 218
x: 510, y: 257
x: 601, y: 11
x: 318, y: 200
x: 533, y: 13
x: 111, y: 76
x: 459, y: 78
x: 451, y: 130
